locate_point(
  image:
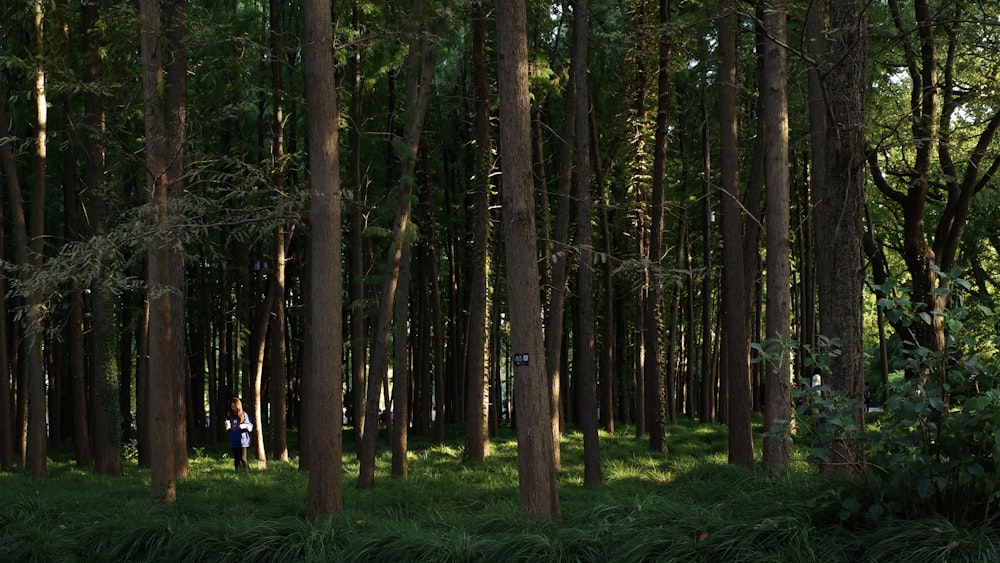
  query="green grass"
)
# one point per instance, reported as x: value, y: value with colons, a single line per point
x: 688, y: 505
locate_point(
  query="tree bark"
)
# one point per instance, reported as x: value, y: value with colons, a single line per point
x: 476, y: 431
x: 536, y: 461
x: 839, y: 211
x: 777, y: 408
x: 586, y: 375
x: 735, y: 293
x: 654, y: 407
x: 322, y: 380
x: 161, y: 422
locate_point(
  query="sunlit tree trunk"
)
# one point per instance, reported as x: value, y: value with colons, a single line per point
x: 539, y: 495
x: 777, y: 408
x: 476, y: 431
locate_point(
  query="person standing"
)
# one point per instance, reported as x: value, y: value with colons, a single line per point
x: 239, y: 426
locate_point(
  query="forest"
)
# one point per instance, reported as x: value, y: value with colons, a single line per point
x: 376, y: 221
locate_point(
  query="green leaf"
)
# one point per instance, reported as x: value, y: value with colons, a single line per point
x: 926, y: 488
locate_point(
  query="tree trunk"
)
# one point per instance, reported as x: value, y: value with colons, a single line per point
x: 358, y: 208
x: 322, y: 388
x: 839, y: 211
x: 586, y: 375
x: 175, y: 116
x: 560, y: 255
x: 476, y: 431
x: 401, y: 370
x: 539, y: 495
x: 776, y: 454
x: 654, y: 409
x: 161, y: 422
x: 7, y: 375
x: 104, y: 368
x: 735, y: 293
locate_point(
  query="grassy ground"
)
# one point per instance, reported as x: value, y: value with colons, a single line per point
x: 685, y: 506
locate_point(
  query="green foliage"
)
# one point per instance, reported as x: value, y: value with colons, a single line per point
x: 689, y: 506
x: 935, y: 447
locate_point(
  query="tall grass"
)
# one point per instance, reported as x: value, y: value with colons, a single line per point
x: 688, y: 505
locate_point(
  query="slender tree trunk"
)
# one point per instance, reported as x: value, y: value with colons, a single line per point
x: 75, y: 361
x: 586, y: 376
x: 401, y: 370
x: 708, y: 374
x: 735, y: 327
x: 476, y: 431
x: 651, y: 319
x: 278, y: 372
x: 28, y: 252
x: 560, y: 258
x: 607, y: 377
x: 777, y: 408
x: 175, y: 115
x: 8, y: 376
x: 322, y: 388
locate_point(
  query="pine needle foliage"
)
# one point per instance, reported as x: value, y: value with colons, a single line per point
x: 686, y: 506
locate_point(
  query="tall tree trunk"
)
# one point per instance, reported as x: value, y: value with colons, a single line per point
x: 358, y: 209
x: 175, y: 113
x: 74, y: 329
x: 8, y: 376
x: 161, y: 422
x: 476, y: 431
x: 586, y: 376
x: 839, y: 211
x: 278, y: 373
x: 708, y: 374
x: 776, y: 454
x: 322, y: 381
x: 651, y: 318
x: 539, y: 495
x: 560, y: 260
x: 735, y: 294
x: 607, y: 379
x: 28, y: 252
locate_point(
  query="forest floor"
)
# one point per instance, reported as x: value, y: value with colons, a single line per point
x: 686, y: 505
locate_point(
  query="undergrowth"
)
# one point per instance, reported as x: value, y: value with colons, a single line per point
x: 687, y: 505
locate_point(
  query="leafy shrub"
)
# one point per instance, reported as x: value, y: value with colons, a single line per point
x: 934, y: 448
